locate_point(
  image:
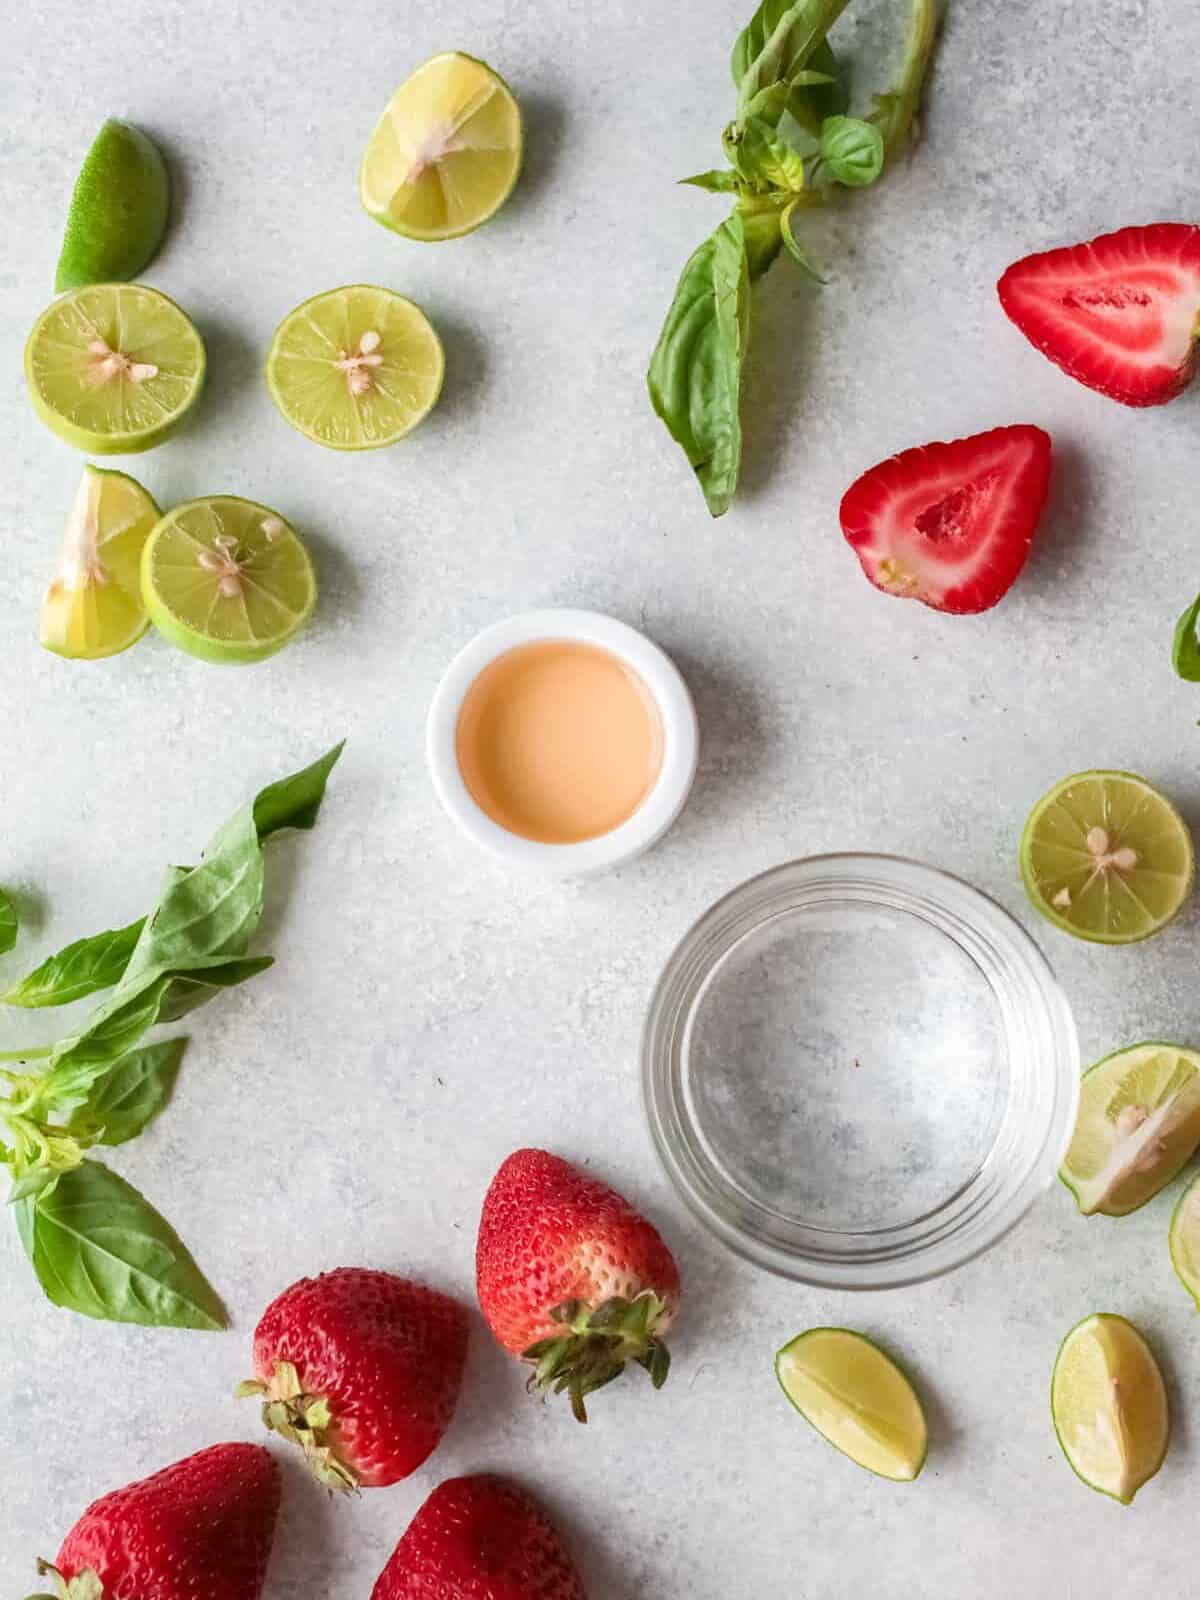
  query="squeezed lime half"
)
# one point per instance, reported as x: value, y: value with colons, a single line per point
x: 1109, y: 1406
x: 857, y: 1398
x: 1137, y: 1128
x: 355, y: 368
x: 113, y: 368
x: 93, y: 606
x: 118, y: 210
x: 226, y: 579
x: 446, y: 152
x: 1106, y: 857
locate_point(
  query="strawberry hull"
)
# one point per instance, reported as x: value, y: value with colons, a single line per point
x: 1119, y: 313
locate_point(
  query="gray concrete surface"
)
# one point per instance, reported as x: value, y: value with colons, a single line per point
x: 429, y: 1012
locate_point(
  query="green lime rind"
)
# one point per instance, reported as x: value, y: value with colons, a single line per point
x: 1153, y: 1180
x: 1181, y: 883
x: 118, y: 211
x: 56, y: 361
x: 1187, y: 1269
x: 220, y: 633
x: 886, y: 1360
x: 1115, y: 1317
x: 383, y: 212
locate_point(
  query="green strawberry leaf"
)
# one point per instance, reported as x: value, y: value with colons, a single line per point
x: 695, y: 373
x: 1185, y: 651
x: 99, y: 1248
x: 8, y: 923
x: 129, y: 1095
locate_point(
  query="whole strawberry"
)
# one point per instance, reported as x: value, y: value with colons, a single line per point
x: 479, y: 1539
x: 362, y: 1370
x: 572, y: 1278
x: 202, y: 1527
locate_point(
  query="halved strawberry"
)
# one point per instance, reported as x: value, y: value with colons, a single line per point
x: 1119, y: 313
x: 951, y: 524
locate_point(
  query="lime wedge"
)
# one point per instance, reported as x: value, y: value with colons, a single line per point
x: 113, y: 368
x: 227, y: 580
x: 857, y: 1397
x: 1185, y: 1240
x: 1107, y: 857
x: 118, y: 210
x: 355, y: 368
x: 1138, y: 1126
x: 93, y: 606
x: 446, y: 152
x: 1109, y: 1406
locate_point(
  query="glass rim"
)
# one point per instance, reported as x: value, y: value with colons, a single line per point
x: 1039, y: 1112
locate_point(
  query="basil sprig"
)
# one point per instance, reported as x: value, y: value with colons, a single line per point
x: 789, y: 146
x: 97, y: 1246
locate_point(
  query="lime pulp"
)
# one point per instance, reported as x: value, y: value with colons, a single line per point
x: 93, y: 606
x: 1109, y: 1406
x: 857, y: 1398
x: 226, y: 579
x: 113, y: 368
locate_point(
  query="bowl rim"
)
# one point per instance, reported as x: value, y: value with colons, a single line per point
x: 661, y: 1072
x: 663, y: 681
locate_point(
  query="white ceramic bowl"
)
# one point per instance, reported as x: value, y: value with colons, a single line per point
x: 681, y: 742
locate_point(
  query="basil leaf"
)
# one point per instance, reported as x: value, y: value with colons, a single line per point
x: 295, y: 801
x: 852, y: 150
x: 95, y: 963
x: 764, y: 158
x: 720, y: 181
x: 895, y: 111
x: 99, y: 1248
x: 797, y: 252
x: 77, y: 970
x: 779, y: 42
x: 83, y: 1058
x: 130, y: 1095
x: 760, y: 228
x: 696, y: 370
x: 8, y: 923
x: 1185, y: 652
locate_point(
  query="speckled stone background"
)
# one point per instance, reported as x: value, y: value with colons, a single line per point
x: 428, y: 1011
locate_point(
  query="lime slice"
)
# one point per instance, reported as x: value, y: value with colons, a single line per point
x: 226, y: 579
x: 355, y: 368
x: 446, y: 152
x: 1185, y: 1240
x: 1138, y: 1126
x: 118, y: 210
x: 93, y: 606
x: 857, y: 1397
x: 1109, y: 1405
x: 1106, y: 857
x: 113, y: 368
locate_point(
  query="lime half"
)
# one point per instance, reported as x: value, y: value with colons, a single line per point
x: 446, y: 152
x: 113, y: 368
x: 118, y: 210
x: 1138, y: 1126
x: 858, y: 1398
x: 226, y: 579
x: 355, y: 368
x: 1109, y: 1406
x: 1107, y: 857
x: 93, y: 606
x: 1185, y: 1240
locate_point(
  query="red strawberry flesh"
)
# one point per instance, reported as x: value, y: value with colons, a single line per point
x: 1120, y: 313
x: 202, y: 1527
x: 381, y: 1355
x: 479, y: 1538
x: 951, y: 524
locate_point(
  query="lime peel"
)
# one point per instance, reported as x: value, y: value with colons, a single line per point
x: 1185, y: 1240
x: 118, y: 211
